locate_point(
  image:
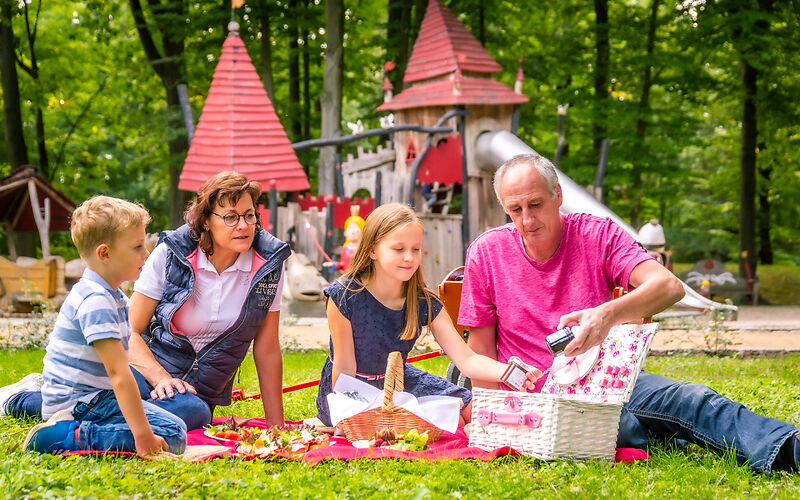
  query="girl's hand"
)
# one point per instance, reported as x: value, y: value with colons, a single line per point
x: 531, y: 377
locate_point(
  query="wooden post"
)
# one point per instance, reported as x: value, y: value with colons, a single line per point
x: 42, y: 221
x: 328, y: 242
x: 378, y: 180
x: 273, y: 207
x: 462, y: 129
x: 12, y: 247
x: 338, y: 172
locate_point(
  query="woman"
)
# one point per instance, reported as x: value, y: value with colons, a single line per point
x: 210, y: 288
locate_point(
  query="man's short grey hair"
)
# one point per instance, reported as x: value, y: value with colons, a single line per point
x: 542, y: 165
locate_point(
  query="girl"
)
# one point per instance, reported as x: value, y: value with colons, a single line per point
x: 381, y: 304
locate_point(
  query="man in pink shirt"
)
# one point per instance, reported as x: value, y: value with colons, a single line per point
x: 547, y: 270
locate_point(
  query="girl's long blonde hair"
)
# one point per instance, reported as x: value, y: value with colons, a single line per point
x: 382, y: 221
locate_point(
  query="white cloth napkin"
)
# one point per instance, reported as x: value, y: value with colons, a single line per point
x: 351, y: 396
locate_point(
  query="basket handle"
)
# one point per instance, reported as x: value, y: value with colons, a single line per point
x: 394, y: 378
x: 457, y: 271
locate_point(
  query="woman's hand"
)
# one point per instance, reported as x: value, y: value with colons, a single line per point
x: 166, y: 388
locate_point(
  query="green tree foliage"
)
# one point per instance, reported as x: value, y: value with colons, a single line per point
x: 673, y: 116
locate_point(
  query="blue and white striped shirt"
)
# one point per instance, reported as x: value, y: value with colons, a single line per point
x: 73, y: 371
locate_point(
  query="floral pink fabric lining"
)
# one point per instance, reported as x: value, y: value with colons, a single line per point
x: 618, y: 365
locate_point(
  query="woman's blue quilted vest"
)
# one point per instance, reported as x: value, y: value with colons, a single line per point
x: 212, y: 369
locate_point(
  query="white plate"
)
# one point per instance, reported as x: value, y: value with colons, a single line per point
x: 208, y: 433
x: 568, y: 370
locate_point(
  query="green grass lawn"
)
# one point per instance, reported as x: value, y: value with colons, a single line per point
x: 769, y: 386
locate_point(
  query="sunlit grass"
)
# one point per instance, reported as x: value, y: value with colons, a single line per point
x: 770, y: 386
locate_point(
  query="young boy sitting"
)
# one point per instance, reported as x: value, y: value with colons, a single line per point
x: 89, y: 394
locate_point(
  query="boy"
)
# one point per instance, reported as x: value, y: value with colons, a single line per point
x: 89, y: 393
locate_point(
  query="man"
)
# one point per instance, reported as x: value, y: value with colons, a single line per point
x: 546, y: 270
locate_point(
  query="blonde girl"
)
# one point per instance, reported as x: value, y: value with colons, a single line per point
x: 381, y: 304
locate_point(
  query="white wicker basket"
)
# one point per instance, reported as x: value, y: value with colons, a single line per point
x: 569, y: 427
x: 578, y: 421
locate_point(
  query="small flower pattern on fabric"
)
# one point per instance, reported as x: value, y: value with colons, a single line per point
x: 618, y: 364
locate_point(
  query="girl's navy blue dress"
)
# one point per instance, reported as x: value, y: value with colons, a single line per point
x: 376, y: 333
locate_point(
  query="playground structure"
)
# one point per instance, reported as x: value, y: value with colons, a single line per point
x: 453, y: 125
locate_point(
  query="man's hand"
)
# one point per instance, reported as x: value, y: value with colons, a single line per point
x: 166, y: 388
x: 150, y: 444
x: 594, y: 325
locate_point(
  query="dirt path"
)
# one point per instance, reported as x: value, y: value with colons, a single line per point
x: 761, y: 330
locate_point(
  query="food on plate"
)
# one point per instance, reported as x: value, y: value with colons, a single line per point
x: 232, y: 430
x: 288, y: 441
x: 411, y: 440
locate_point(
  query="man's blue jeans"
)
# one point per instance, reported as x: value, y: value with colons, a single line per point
x: 194, y: 412
x: 103, y: 427
x: 662, y: 408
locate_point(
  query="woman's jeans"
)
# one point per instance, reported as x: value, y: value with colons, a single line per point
x: 194, y: 412
x: 662, y: 408
x: 103, y: 427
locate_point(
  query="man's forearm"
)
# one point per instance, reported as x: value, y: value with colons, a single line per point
x: 651, y: 297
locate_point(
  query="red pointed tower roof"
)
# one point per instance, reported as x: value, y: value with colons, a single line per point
x: 446, y: 47
x: 443, y: 44
x: 239, y: 129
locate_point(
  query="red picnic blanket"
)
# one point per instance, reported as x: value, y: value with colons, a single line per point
x: 448, y: 447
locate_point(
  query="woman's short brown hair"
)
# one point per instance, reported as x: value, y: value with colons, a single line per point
x: 225, y: 187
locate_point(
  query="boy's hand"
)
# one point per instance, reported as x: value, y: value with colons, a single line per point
x: 166, y: 388
x: 150, y: 445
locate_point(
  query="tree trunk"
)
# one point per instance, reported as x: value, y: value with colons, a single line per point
x: 764, y: 223
x: 481, y: 23
x: 602, y: 55
x: 397, y: 40
x: 12, y: 112
x: 332, y: 93
x: 33, y: 71
x: 294, y: 73
x: 178, y: 147
x: 644, y: 116
x: 44, y: 163
x: 266, y: 53
x: 169, y: 68
x: 306, y: 79
x: 419, y: 7
x: 747, y: 185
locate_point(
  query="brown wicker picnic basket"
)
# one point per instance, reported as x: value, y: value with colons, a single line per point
x: 365, y: 424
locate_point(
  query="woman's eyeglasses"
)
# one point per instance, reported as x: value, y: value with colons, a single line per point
x: 231, y: 220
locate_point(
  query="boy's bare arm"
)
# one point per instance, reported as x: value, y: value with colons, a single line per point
x: 115, y: 361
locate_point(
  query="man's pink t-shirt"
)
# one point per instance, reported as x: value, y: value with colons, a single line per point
x: 503, y: 286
